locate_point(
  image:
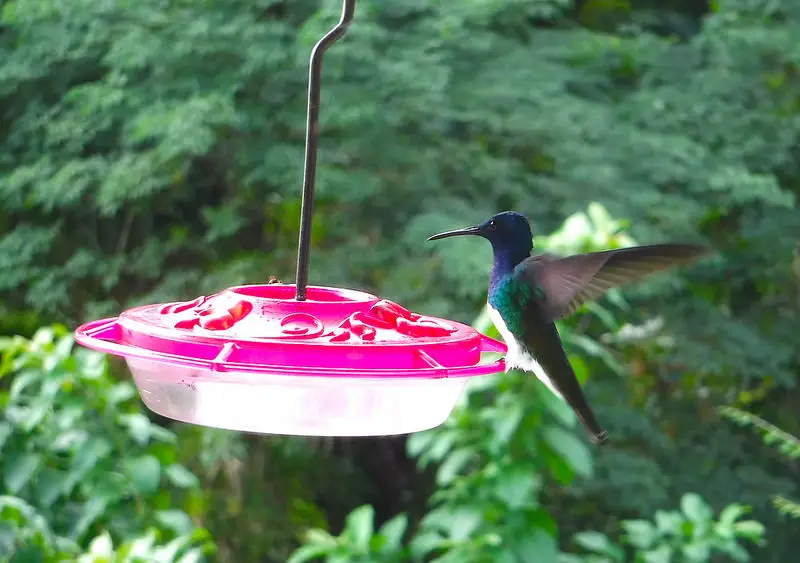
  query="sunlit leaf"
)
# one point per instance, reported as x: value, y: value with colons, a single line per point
x: 359, y: 524
x: 19, y: 469
x: 571, y: 448
x: 144, y: 472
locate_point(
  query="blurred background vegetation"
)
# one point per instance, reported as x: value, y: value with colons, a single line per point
x: 151, y: 150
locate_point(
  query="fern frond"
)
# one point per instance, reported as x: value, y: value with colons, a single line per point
x: 786, y: 506
x: 784, y: 442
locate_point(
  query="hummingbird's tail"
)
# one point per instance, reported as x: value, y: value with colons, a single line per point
x: 597, y: 434
x: 552, y: 367
x: 600, y: 438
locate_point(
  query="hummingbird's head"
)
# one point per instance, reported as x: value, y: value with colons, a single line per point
x: 509, y: 232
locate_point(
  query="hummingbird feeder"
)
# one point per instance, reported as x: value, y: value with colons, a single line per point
x: 297, y: 359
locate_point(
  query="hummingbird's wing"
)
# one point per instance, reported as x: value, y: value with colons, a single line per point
x: 561, y: 285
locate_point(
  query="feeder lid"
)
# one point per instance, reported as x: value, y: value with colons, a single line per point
x: 263, y: 329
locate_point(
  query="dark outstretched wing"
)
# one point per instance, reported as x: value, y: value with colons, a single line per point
x: 561, y: 285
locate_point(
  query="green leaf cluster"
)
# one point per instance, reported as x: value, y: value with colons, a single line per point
x: 81, y: 464
x: 691, y: 535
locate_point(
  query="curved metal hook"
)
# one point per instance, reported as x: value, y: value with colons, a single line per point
x: 312, y: 142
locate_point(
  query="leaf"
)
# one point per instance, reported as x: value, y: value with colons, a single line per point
x: 555, y: 406
x: 559, y: 468
x: 359, y: 524
x: 169, y: 552
x: 696, y: 509
x: 463, y: 522
x: 452, y: 465
x: 593, y: 541
x: 605, y: 316
x: 5, y: 433
x: 541, y: 519
x: 194, y: 555
x: 535, y: 546
x: 601, y: 219
x: 731, y: 513
x: 669, y: 523
x: 316, y: 535
x: 570, y: 448
x: 180, y: 476
x: 21, y: 382
x: 19, y: 470
x: 515, y: 487
x: 68, y: 439
x: 89, y: 513
x: 49, y: 486
x: 443, y: 440
x: 424, y: 542
x: 641, y: 533
x: 506, y: 555
x: 176, y: 520
x: 393, y: 531
x: 662, y: 554
x: 144, y: 472
x: 161, y: 434
x: 594, y: 349
x: 63, y: 347
x: 750, y: 529
x: 142, y: 546
x: 506, y: 423
x: 309, y: 553
x: 38, y: 408
x: 86, y: 459
x: 580, y: 369
x: 419, y: 442
x: 102, y: 546
x: 121, y: 392
x: 697, y: 552
x: 138, y: 427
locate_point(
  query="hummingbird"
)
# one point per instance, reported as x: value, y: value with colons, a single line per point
x: 527, y: 294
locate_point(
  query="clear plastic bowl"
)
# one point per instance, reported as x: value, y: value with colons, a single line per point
x: 298, y: 405
x: 251, y: 358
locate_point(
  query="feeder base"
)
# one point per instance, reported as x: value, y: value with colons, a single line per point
x: 296, y: 405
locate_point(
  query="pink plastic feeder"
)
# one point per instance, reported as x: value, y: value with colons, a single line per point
x: 253, y: 358
x: 293, y: 359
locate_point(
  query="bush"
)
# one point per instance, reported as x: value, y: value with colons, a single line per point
x: 83, y: 467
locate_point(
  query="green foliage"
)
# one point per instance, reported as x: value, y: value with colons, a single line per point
x: 785, y: 443
x: 491, y: 456
x: 188, y: 548
x: 81, y: 461
x: 152, y: 151
x: 25, y: 535
x: 691, y: 535
x: 359, y: 542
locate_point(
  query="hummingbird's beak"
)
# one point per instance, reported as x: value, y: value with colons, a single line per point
x: 457, y: 233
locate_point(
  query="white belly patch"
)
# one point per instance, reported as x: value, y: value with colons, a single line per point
x: 516, y: 357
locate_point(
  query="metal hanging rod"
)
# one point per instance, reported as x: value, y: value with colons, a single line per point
x: 312, y: 143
